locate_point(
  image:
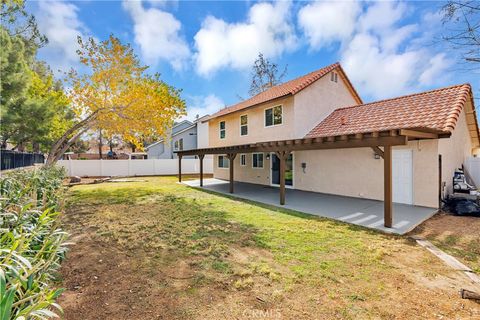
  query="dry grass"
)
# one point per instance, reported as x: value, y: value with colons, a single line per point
x: 158, y: 249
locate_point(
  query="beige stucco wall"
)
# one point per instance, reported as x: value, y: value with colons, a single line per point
x: 257, y: 132
x: 454, y: 151
x: 245, y: 173
x: 356, y: 173
x: 317, y: 101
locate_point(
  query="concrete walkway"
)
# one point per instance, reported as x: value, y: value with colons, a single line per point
x: 364, y: 212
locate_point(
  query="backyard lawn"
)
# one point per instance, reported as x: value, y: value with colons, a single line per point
x: 156, y: 249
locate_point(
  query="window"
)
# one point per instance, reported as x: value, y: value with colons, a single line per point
x: 222, y: 129
x: 334, y: 77
x: 244, y: 125
x: 257, y: 160
x: 243, y: 159
x: 178, y: 145
x: 222, y: 162
x: 273, y: 116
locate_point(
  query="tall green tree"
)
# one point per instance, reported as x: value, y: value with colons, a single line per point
x: 34, y: 108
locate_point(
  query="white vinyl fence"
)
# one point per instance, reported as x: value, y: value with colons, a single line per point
x: 136, y: 167
x: 473, y: 168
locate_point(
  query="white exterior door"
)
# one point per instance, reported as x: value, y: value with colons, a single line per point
x: 402, y: 175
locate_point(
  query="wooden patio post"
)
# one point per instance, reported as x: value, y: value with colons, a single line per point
x: 231, y: 158
x: 179, y: 168
x: 282, y: 180
x: 283, y: 156
x: 387, y: 198
x: 200, y: 157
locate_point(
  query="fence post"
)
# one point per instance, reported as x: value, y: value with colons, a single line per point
x: 70, y: 169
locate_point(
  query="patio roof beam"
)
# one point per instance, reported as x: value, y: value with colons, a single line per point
x: 319, y: 143
x: 418, y: 134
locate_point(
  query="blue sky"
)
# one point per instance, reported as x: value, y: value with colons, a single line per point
x: 207, y: 48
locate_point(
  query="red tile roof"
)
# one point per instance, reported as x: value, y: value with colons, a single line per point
x: 288, y: 88
x: 436, y: 110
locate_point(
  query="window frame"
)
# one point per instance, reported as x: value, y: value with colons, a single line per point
x: 334, y: 77
x: 263, y: 160
x: 223, y: 162
x: 273, y: 116
x: 243, y: 125
x: 243, y: 156
x: 180, y: 144
x: 220, y: 129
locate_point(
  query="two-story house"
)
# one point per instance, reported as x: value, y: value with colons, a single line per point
x: 404, y: 149
x: 185, y: 135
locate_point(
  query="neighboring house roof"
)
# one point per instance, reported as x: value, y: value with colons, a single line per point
x: 291, y: 87
x: 436, y: 111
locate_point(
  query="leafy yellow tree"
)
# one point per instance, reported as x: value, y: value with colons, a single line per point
x: 116, y: 95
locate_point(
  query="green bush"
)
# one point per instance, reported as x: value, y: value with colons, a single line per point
x: 31, y: 243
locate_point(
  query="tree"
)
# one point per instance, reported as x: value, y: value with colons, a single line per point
x: 116, y: 95
x: 33, y: 105
x: 265, y: 75
x: 462, y: 21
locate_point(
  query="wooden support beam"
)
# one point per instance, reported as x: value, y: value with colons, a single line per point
x: 283, y: 156
x: 179, y: 168
x: 378, y: 151
x: 387, y: 187
x: 418, y: 134
x: 200, y: 158
x: 375, y: 134
x: 231, y: 158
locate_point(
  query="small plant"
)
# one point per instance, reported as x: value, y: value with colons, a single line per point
x: 31, y: 244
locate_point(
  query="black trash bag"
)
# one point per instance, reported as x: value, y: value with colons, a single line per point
x: 462, y: 207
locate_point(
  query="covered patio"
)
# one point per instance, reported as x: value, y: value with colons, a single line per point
x: 381, y: 143
x: 363, y: 212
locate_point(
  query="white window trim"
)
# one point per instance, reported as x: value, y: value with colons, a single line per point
x: 245, y: 156
x: 264, y: 117
x: 220, y: 155
x: 220, y: 130
x: 263, y: 160
x: 240, y: 120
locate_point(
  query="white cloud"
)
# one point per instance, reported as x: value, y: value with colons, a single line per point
x: 157, y: 33
x: 382, y: 56
x: 327, y: 22
x: 60, y: 23
x: 220, y: 44
x: 436, y: 70
x: 203, y: 105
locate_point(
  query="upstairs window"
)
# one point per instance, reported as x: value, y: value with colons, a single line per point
x: 222, y: 129
x: 273, y: 116
x: 222, y: 162
x: 244, y: 125
x: 334, y: 77
x: 178, y: 145
x: 243, y: 160
x: 257, y: 160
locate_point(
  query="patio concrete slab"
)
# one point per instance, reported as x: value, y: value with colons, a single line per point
x: 364, y: 212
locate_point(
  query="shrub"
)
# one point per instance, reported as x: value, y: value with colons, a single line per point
x: 31, y: 244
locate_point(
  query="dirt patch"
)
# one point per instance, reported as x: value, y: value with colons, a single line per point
x: 457, y: 235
